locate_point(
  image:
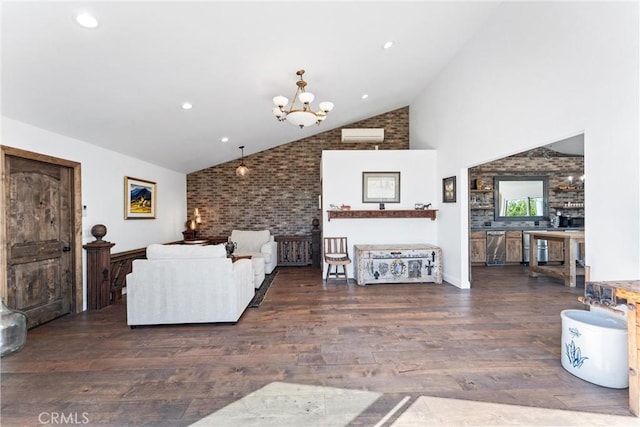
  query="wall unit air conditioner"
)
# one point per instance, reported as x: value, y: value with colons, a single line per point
x: 362, y: 135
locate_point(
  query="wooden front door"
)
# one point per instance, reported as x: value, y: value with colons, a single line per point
x: 39, y: 203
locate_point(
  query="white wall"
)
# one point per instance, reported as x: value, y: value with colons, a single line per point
x: 103, y: 173
x: 534, y: 74
x: 341, y: 172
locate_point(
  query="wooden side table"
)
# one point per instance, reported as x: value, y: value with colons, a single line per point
x: 568, y: 271
x: 629, y: 290
x: 98, y: 269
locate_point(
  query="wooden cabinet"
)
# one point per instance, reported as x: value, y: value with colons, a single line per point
x: 514, y: 246
x: 478, y: 246
x: 556, y: 251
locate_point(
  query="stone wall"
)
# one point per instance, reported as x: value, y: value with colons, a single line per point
x: 281, y: 191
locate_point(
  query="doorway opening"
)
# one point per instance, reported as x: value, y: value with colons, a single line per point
x: 545, y: 191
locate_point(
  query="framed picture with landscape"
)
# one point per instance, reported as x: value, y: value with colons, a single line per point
x: 140, y: 200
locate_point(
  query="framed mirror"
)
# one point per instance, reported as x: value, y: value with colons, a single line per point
x: 521, y: 198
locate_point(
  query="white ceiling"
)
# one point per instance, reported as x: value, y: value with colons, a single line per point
x: 573, y: 146
x: 120, y: 86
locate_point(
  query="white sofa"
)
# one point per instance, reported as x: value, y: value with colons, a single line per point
x: 188, y: 284
x: 262, y: 248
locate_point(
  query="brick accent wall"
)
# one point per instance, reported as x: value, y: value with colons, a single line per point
x: 281, y: 191
x: 539, y: 162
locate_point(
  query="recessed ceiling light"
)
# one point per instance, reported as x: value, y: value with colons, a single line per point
x: 387, y: 45
x: 86, y: 20
x: 224, y: 139
x: 365, y: 96
x: 186, y: 106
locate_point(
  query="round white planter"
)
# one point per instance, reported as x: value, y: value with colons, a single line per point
x: 594, y: 347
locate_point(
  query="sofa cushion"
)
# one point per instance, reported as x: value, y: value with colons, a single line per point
x: 250, y: 241
x: 157, y: 251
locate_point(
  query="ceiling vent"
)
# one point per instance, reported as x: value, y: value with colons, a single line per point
x: 362, y: 135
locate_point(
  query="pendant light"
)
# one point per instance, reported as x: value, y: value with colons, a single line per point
x: 242, y: 170
x: 300, y: 115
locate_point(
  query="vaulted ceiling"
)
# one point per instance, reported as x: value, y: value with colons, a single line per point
x: 121, y: 85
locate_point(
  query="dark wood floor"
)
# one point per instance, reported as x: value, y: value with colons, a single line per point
x: 498, y: 342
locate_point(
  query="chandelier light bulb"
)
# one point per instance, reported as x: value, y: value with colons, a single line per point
x: 326, y: 106
x: 277, y: 112
x: 306, y: 97
x: 280, y: 101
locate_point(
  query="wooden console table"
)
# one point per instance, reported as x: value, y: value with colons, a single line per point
x: 397, y: 263
x: 568, y: 270
x: 628, y: 290
x: 408, y: 213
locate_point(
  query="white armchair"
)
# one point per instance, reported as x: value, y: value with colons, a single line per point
x: 188, y: 284
x: 257, y: 244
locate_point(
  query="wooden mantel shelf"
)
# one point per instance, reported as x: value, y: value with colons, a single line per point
x: 358, y: 214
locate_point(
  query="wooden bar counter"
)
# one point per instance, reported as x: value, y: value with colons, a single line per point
x: 629, y: 290
x: 568, y: 270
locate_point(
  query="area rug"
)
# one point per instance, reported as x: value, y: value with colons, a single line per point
x: 262, y: 290
x: 292, y: 405
x: 438, y: 411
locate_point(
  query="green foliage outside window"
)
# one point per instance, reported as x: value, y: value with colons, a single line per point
x: 519, y: 207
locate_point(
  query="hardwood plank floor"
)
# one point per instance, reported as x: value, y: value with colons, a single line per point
x: 498, y: 342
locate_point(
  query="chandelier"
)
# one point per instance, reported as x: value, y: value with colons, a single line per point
x: 303, y: 115
x: 242, y: 170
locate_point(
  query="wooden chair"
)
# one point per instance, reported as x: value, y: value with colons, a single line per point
x: 336, y: 254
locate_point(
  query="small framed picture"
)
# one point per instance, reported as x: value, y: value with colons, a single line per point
x: 140, y: 201
x: 449, y: 190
